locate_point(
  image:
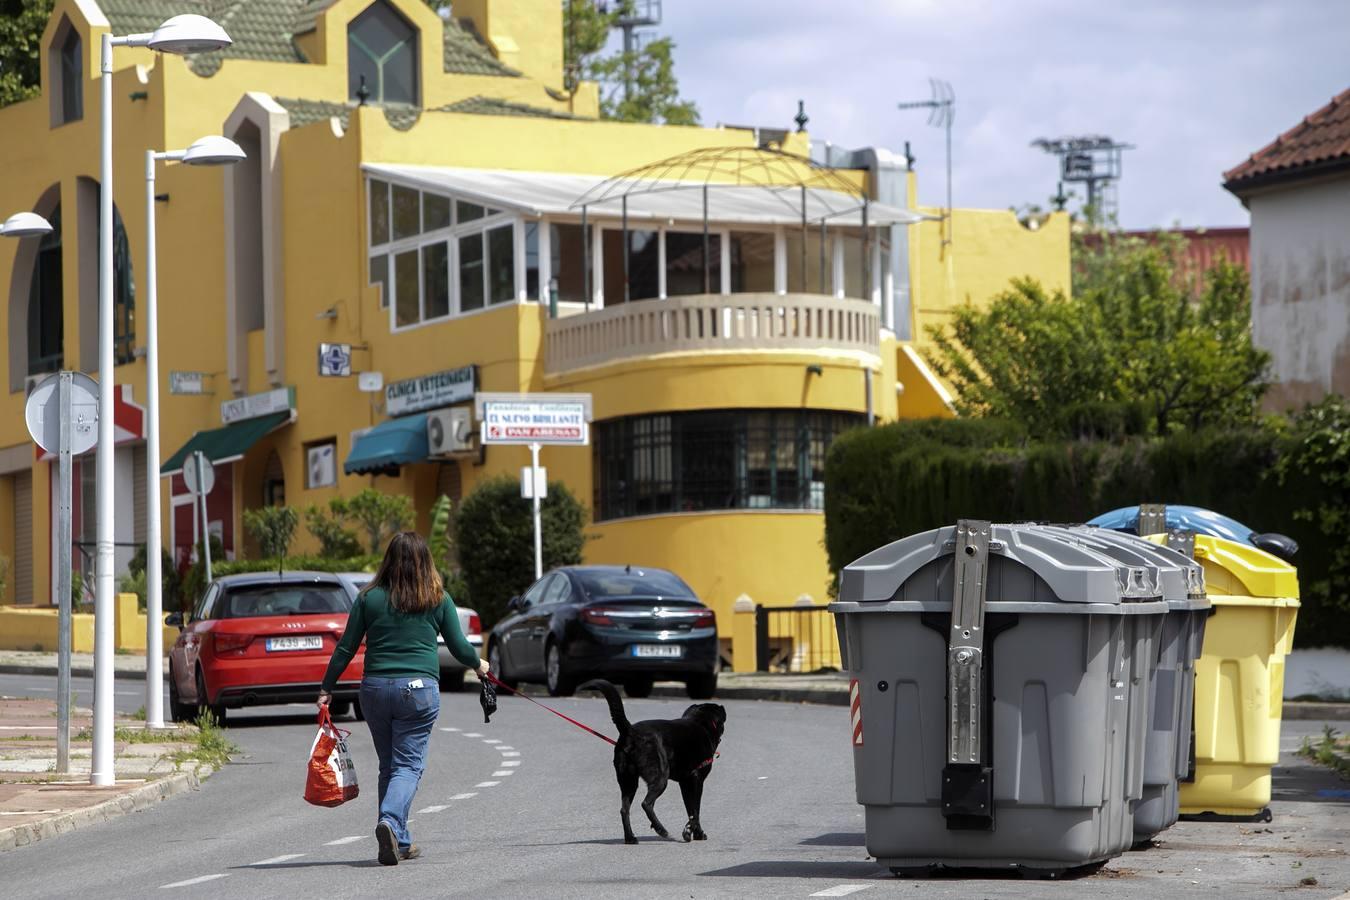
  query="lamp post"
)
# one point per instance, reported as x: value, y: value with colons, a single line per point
x: 24, y: 224
x: 208, y: 151
x: 183, y: 34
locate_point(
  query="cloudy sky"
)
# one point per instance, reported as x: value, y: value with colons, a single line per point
x: 1195, y: 85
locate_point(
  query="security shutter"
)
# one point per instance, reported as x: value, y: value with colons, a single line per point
x: 138, y: 493
x: 22, y: 567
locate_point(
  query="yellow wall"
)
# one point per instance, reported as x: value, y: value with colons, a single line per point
x: 36, y: 629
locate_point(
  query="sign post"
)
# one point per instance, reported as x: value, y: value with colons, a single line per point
x: 534, y: 420
x: 62, y: 414
x: 200, y: 477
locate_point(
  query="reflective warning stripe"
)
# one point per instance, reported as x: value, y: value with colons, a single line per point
x: 855, y: 710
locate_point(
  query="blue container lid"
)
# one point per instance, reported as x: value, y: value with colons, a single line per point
x: 1187, y: 518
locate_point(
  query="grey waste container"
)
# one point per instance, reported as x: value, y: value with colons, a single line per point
x: 996, y: 672
x: 1168, y: 758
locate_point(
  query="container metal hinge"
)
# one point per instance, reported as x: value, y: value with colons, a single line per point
x: 967, y: 781
x: 1152, y: 519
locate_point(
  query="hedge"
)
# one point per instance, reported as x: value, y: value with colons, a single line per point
x: 884, y: 483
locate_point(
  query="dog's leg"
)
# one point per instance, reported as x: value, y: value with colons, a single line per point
x: 628, y: 785
x: 692, y: 791
x: 655, y: 788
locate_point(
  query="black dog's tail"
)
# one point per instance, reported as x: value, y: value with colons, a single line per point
x: 615, y: 702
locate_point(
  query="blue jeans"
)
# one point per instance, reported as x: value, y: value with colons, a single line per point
x: 400, y: 715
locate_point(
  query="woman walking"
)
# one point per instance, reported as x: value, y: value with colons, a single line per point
x: 399, y: 615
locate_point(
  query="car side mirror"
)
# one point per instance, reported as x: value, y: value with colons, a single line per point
x: 515, y: 604
x: 174, y: 618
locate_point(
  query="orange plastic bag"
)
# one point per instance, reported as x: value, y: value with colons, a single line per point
x: 332, y: 774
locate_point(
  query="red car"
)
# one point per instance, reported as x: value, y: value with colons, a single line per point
x: 261, y: 638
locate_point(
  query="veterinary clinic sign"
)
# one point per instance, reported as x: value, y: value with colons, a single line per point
x: 430, y: 391
x: 534, y: 418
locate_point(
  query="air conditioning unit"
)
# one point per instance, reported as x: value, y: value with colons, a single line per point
x: 448, y: 431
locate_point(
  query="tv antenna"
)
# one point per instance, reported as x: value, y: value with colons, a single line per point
x: 1094, y: 160
x: 635, y: 15
x: 942, y: 111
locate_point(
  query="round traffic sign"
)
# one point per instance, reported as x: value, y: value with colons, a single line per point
x: 43, y: 413
x: 190, y: 474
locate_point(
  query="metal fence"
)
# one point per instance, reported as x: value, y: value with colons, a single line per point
x: 795, y: 639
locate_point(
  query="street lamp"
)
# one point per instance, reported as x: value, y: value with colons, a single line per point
x: 208, y: 151
x: 25, y: 224
x: 180, y: 34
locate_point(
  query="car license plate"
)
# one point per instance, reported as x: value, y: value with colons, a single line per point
x: 657, y: 651
x: 306, y: 642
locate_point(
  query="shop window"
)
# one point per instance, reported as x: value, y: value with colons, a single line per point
x: 714, y: 460
x: 46, y: 316
x: 382, y: 57
x: 568, y: 261
x: 684, y: 264
x: 751, y: 262
x: 644, y: 265
x: 66, y: 85
x: 321, y: 464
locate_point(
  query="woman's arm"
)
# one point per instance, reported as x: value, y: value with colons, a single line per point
x: 447, y: 622
x: 346, y: 648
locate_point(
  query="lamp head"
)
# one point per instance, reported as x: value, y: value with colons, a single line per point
x: 188, y: 33
x: 25, y: 224
x: 213, y: 150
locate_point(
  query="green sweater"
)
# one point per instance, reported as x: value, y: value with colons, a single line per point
x: 398, y: 644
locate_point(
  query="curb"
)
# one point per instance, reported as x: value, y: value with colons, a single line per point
x: 75, y: 671
x: 1335, y: 712
x: 776, y: 695
x: 133, y: 801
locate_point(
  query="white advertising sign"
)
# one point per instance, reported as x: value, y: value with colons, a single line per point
x: 430, y: 391
x: 187, y: 382
x: 254, y: 405
x: 534, y: 418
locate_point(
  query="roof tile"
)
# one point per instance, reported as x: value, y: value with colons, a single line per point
x: 1320, y: 139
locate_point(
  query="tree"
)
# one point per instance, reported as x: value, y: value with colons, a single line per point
x: 495, y: 534
x: 379, y: 515
x: 335, y: 540
x: 273, y: 527
x: 634, y: 87
x: 1140, y: 345
x: 21, y: 26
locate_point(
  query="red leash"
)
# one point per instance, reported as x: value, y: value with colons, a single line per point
x: 498, y: 682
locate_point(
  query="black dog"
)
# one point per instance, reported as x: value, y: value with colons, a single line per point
x: 662, y: 750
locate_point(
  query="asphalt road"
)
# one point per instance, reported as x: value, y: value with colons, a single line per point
x: 527, y: 807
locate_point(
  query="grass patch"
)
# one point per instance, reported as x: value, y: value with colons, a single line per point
x: 1330, y: 750
x: 139, y: 715
x: 210, y: 745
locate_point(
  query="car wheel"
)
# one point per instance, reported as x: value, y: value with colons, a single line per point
x: 638, y: 687
x: 339, y: 708
x: 701, y: 687
x: 560, y: 683
x: 452, y: 680
x: 217, y: 710
x: 495, y: 665
x: 178, y: 710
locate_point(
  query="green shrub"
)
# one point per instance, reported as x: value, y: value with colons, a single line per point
x: 885, y: 483
x: 494, y: 531
x: 379, y: 515
x: 273, y: 527
x: 335, y: 539
x: 171, y: 580
x: 195, y: 580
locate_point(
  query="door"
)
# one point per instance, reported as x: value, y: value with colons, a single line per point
x: 516, y: 630
x: 183, y: 657
x: 540, y: 616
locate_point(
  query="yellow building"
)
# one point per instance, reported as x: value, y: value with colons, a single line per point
x: 412, y: 193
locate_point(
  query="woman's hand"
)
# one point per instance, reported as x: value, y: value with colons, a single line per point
x: 324, y: 699
x: 483, y: 668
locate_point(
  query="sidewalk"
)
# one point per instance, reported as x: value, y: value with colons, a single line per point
x: 829, y: 688
x: 37, y: 804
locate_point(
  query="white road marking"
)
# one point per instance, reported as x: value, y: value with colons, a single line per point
x: 346, y: 840
x: 277, y: 859
x: 510, y: 762
x: 510, y: 753
x: 472, y: 734
x: 503, y: 772
x: 27, y: 727
x: 491, y: 741
x: 449, y: 729
x: 487, y: 784
x: 506, y: 747
x: 464, y: 796
x: 841, y: 890
x: 196, y: 880
x: 431, y: 809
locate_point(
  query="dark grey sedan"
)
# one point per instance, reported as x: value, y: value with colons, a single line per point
x: 630, y: 625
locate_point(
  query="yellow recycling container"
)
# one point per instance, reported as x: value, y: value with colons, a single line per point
x: 1239, y: 678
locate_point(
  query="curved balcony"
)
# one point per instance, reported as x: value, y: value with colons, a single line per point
x: 710, y: 322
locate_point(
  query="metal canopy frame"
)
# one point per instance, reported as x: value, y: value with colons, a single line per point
x: 793, y: 180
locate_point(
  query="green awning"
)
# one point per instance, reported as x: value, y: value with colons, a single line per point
x: 389, y: 444
x: 228, y: 443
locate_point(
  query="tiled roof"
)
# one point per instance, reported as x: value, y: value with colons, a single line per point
x: 465, y: 54
x: 306, y: 112
x: 1319, y: 142
x: 491, y: 106
x: 263, y: 29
